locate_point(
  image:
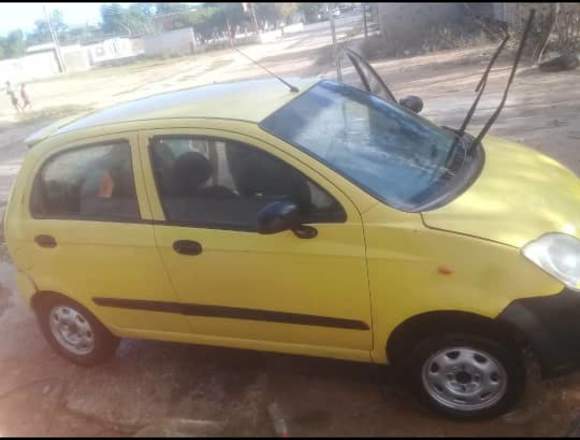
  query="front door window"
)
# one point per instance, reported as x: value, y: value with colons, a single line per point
x: 224, y: 184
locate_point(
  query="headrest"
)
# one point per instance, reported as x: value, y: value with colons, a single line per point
x: 191, y: 170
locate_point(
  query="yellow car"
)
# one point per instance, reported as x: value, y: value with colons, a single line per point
x: 321, y: 220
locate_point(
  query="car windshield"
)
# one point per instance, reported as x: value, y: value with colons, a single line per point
x: 396, y: 155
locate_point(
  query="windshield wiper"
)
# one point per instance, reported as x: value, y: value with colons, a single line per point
x: 459, y: 141
x: 494, y: 116
x: 481, y: 86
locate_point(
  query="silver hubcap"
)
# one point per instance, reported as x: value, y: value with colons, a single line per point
x: 71, y: 330
x: 465, y: 379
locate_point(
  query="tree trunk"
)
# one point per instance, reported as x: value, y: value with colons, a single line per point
x: 554, y: 12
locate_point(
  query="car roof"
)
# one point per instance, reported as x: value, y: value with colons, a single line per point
x: 249, y: 100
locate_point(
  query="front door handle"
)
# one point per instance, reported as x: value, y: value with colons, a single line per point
x: 187, y: 247
x: 47, y: 241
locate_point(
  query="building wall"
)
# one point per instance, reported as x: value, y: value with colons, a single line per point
x: 176, y: 42
x: 111, y: 49
x: 137, y: 46
x: 76, y: 58
x: 30, y: 67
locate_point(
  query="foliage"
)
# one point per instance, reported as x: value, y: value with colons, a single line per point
x: 41, y: 32
x: 567, y: 27
x: 556, y: 27
x: 311, y: 10
x: 275, y: 13
x: 13, y: 45
x: 209, y: 20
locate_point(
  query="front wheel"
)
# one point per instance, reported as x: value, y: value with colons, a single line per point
x: 467, y: 376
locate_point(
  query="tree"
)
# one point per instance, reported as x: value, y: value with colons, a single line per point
x: 206, y: 22
x: 170, y: 8
x: 41, y: 32
x: 81, y: 34
x: 267, y: 13
x: 57, y: 22
x: 275, y: 13
x: 16, y: 45
x: 139, y: 18
x: 113, y: 19
x: 13, y: 45
x: 217, y: 19
x: 310, y: 10
x: 287, y: 10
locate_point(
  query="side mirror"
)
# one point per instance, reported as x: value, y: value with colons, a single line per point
x: 413, y: 103
x: 278, y: 217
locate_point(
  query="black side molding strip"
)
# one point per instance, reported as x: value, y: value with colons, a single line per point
x: 231, y: 312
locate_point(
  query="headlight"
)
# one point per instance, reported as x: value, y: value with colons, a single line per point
x: 559, y: 255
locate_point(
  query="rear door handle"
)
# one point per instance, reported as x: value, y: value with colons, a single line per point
x: 47, y: 241
x: 187, y: 247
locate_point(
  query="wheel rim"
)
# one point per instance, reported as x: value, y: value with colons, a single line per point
x: 71, y: 330
x: 464, y: 378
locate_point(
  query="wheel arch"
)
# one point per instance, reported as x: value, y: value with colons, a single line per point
x: 409, y: 332
x: 43, y: 296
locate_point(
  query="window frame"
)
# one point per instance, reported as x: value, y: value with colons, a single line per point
x: 463, y: 183
x: 97, y: 143
x: 217, y: 138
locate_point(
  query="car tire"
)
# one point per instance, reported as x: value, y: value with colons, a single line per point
x: 466, y: 377
x: 74, y: 332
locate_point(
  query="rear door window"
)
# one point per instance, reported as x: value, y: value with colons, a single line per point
x: 93, y: 182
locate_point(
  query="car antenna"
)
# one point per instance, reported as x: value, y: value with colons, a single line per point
x: 493, y: 117
x: 481, y: 86
x: 290, y: 86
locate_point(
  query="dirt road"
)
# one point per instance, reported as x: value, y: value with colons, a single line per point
x: 162, y: 384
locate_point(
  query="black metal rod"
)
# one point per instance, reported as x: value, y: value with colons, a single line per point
x: 290, y: 86
x: 365, y: 19
x: 481, y: 86
x: 493, y: 118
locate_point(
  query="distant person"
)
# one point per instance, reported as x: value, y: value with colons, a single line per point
x: 24, y: 97
x: 10, y: 92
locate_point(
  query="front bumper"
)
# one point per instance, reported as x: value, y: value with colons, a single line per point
x: 551, y: 325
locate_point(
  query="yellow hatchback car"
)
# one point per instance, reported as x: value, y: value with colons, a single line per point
x: 324, y: 221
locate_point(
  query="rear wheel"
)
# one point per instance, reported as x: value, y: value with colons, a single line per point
x: 467, y: 376
x: 74, y: 332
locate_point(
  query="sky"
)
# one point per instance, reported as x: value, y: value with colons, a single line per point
x: 23, y: 15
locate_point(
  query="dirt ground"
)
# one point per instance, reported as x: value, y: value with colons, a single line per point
x: 165, y: 388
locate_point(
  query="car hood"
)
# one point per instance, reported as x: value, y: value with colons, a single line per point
x: 519, y: 195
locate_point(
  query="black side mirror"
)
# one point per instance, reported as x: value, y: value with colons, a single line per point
x: 413, y: 103
x: 278, y: 217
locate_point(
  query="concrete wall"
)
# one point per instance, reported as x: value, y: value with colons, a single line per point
x: 30, y: 67
x: 291, y: 28
x: 176, y: 42
x: 137, y: 46
x: 267, y: 37
x: 76, y: 58
x: 111, y: 49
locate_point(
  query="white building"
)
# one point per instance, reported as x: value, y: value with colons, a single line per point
x: 111, y: 49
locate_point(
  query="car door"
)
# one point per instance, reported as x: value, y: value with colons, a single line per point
x: 88, y: 235
x: 239, y: 287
